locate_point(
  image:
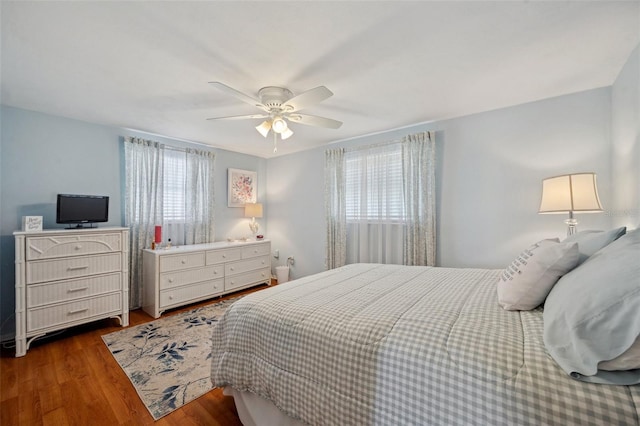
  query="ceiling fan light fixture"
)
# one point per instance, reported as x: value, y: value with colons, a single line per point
x: 264, y: 128
x: 280, y: 106
x: 286, y: 134
x: 279, y: 125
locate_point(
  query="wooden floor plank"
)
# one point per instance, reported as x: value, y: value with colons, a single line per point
x: 9, y: 411
x: 72, y: 379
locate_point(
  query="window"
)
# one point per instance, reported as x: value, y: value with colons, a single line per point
x: 374, y: 204
x: 380, y: 202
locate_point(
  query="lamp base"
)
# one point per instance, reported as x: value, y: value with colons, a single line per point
x: 253, y: 225
x: 572, y: 226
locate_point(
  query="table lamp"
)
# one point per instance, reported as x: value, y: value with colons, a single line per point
x: 573, y: 193
x: 253, y: 210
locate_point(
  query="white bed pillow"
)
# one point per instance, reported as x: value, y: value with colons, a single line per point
x: 589, y: 242
x: 593, y: 314
x: 529, y: 278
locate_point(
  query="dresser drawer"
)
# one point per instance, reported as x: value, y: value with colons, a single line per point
x: 71, y: 245
x: 219, y: 256
x: 246, y: 265
x: 242, y: 280
x: 62, y: 291
x: 72, y: 312
x: 256, y: 250
x: 179, y: 278
x: 181, y: 261
x: 60, y: 269
x: 177, y: 296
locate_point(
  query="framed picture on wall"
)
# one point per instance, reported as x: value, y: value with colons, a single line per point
x: 242, y: 187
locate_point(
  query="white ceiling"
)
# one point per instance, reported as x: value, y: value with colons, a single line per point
x: 390, y: 64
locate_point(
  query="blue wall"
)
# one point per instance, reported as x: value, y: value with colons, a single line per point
x: 43, y: 155
x: 625, y: 156
x: 489, y: 175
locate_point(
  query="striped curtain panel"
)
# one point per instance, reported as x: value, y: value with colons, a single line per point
x: 335, y: 209
x: 144, y: 168
x: 418, y: 173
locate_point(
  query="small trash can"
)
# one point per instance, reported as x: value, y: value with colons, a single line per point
x: 282, y: 274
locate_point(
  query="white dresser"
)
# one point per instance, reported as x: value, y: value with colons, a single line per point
x: 178, y: 276
x: 67, y: 277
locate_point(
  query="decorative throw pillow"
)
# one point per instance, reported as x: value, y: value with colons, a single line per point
x: 593, y: 313
x: 590, y: 242
x: 528, y: 279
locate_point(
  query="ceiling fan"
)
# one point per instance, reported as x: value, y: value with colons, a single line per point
x: 280, y: 105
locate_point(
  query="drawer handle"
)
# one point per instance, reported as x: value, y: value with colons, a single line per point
x: 224, y: 256
x: 233, y: 282
x: 77, y: 268
x: 78, y: 247
x: 263, y: 274
x: 231, y: 269
x: 263, y: 262
x: 255, y: 251
x: 171, y: 297
x: 71, y: 290
x: 183, y: 261
x: 77, y: 311
x: 170, y: 280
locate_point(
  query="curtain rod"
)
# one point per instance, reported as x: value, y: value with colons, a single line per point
x: 167, y: 146
x: 375, y: 145
x: 379, y: 144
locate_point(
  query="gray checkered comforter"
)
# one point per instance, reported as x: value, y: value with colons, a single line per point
x: 397, y: 345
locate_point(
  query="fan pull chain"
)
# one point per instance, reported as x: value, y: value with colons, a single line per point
x: 275, y: 142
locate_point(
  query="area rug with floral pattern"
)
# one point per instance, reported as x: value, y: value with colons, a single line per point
x: 168, y: 360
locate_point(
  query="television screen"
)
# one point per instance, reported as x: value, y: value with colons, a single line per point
x: 81, y: 209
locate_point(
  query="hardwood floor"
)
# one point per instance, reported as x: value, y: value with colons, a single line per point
x: 72, y: 379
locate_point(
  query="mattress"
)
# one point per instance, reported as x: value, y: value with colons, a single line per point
x: 386, y: 344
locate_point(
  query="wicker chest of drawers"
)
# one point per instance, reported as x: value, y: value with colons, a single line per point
x: 187, y: 274
x: 69, y: 277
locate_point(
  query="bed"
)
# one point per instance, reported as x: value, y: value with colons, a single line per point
x: 400, y: 345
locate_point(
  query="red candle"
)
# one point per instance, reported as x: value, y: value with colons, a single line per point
x: 158, y: 234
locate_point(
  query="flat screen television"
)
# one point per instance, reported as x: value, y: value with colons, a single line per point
x: 79, y: 210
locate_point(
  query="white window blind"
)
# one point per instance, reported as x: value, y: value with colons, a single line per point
x: 374, y: 189
x: 175, y: 178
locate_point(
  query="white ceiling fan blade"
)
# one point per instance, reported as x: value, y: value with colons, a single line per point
x: 240, y: 117
x: 314, y: 120
x: 233, y: 92
x: 307, y: 98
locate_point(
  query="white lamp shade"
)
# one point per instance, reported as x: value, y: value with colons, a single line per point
x: 286, y: 134
x: 264, y: 128
x: 253, y: 210
x: 570, y: 193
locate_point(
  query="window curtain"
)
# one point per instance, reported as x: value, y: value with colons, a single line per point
x: 418, y: 173
x: 335, y: 208
x: 199, y: 208
x: 380, y: 203
x: 170, y: 187
x: 144, y: 169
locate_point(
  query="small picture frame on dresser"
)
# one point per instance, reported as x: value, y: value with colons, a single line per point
x: 31, y: 223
